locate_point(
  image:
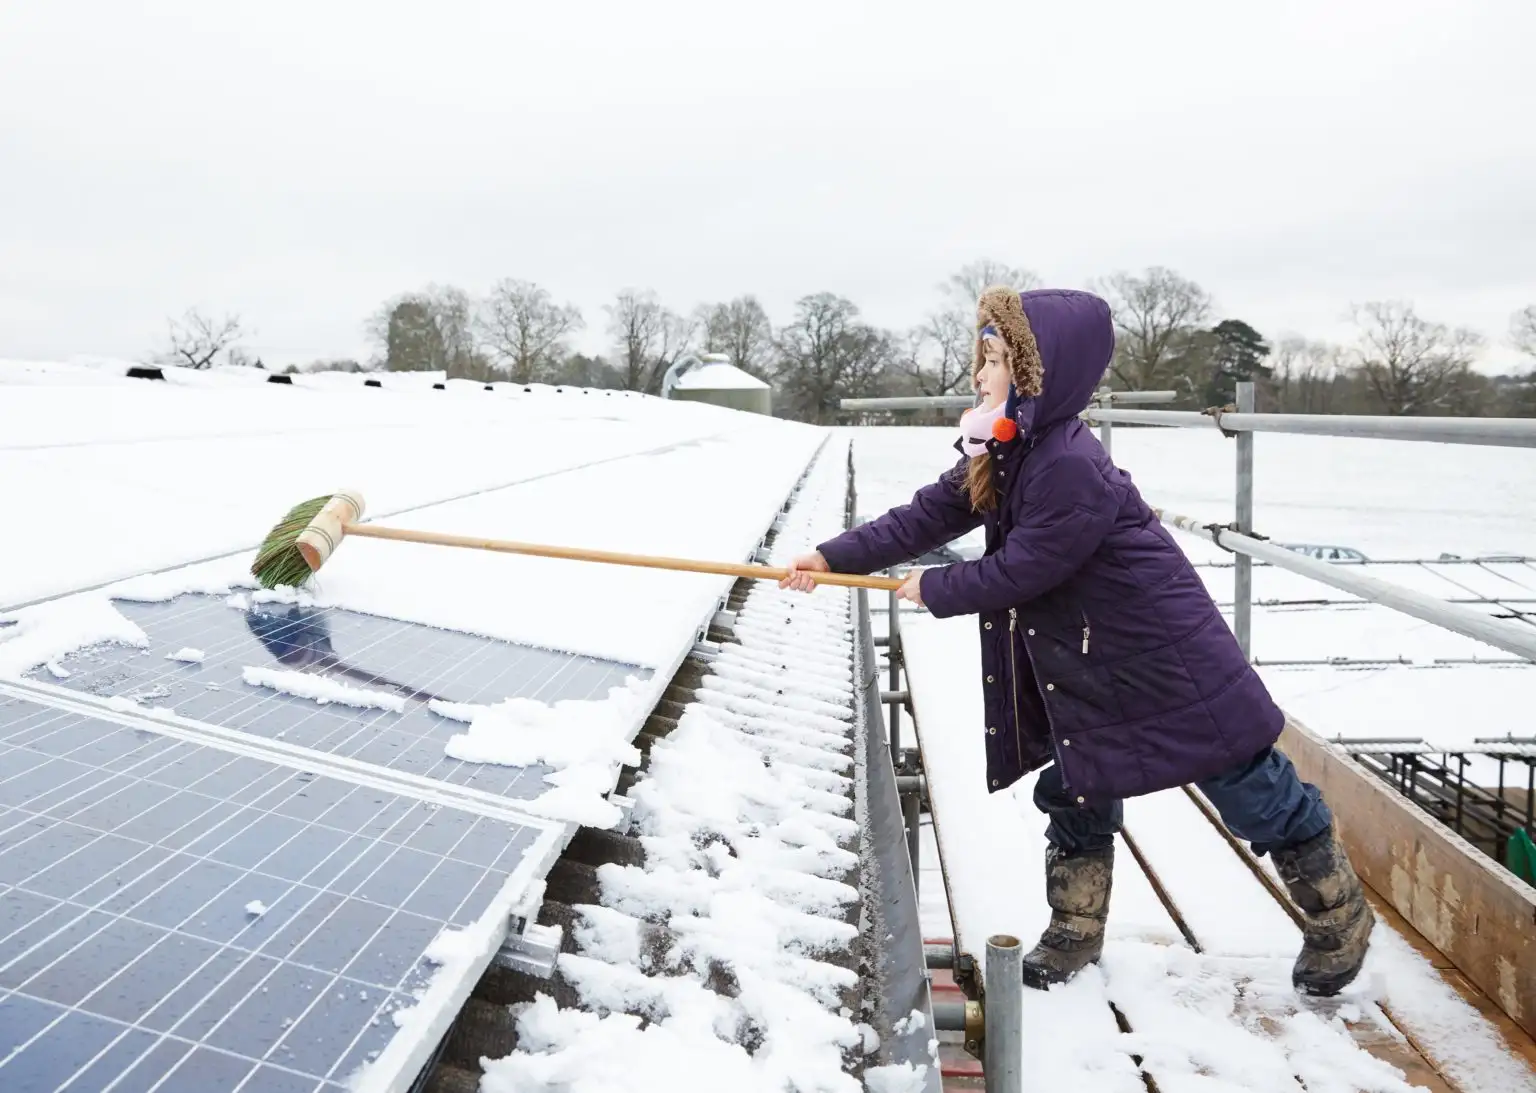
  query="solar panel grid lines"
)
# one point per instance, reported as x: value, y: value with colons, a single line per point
x: 94, y: 687
x: 533, y: 854
x: 291, y: 756
x: 458, y: 667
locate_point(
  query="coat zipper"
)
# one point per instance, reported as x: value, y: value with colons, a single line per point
x: 1013, y: 666
x: 1085, y: 631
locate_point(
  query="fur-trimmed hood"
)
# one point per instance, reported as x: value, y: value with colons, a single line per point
x: 1060, y: 342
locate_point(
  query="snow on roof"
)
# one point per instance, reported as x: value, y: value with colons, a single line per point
x: 178, y: 473
x: 751, y: 845
x: 184, y: 481
x: 719, y: 376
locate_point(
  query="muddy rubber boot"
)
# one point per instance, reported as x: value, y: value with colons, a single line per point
x: 1337, y: 930
x: 1077, y: 888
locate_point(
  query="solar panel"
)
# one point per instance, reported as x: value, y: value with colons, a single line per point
x: 413, y: 662
x: 178, y: 917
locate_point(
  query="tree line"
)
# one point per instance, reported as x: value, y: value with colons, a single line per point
x: 1169, y: 336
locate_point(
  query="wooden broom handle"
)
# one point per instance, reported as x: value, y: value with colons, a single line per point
x: 728, y: 569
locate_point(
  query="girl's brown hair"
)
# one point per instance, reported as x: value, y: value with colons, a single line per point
x: 1001, y: 307
x: 978, y: 474
x: 978, y: 483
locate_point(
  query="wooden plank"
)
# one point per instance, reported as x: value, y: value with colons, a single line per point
x: 1469, y: 908
x: 1394, y: 1045
x: 1371, y: 1033
x: 1516, y: 1039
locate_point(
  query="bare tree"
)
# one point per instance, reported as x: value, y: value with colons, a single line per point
x: 648, y: 338
x: 196, y: 339
x: 740, y: 329
x: 454, y: 313
x: 1522, y: 330
x: 1521, y: 394
x: 1309, y: 377
x: 1159, y: 318
x: 428, y: 331
x: 1411, y: 365
x: 937, y: 354
x: 580, y: 370
x: 829, y: 353
x: 966, y: 284
x: 524, y: 329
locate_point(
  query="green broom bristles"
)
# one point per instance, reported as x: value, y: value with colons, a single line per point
x: 278, y: 561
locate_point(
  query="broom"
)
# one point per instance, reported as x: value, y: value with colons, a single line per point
x: 298, y: 546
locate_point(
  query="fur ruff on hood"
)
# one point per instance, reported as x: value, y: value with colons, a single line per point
x: 1000, y: 307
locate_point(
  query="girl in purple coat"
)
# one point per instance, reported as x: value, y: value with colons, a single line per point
x: 1104, y: 660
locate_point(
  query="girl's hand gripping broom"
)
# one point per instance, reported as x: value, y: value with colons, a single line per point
x: 311, y: 532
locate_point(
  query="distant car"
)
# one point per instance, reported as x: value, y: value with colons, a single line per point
x: 1326, y: 553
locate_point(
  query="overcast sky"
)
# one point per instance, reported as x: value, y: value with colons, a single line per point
x: 298, y: 163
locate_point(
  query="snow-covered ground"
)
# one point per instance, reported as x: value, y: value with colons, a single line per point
x: 1390, y: 500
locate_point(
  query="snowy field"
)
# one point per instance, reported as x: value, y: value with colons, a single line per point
x: 1388, y: 500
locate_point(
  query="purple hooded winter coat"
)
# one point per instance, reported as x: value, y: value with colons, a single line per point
x: 1100, y: 646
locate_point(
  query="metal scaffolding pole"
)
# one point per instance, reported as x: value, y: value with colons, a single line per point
x: 1512, y: 638
x: 1003, y: 1011
x: 1508, y: 432
x: 965, y: 402
x: 1242, y: 587
x: 1106, y: 428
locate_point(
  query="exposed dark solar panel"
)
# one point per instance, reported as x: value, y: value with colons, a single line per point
x: 418, y: 663
x: 132, y: 949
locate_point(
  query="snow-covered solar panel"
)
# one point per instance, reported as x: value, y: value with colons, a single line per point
x: 399, y: 670
x: 177, y: 917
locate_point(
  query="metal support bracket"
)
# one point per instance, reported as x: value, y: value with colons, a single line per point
x: 533, y: 950
x: 529, y: 947
x: 626, y: 807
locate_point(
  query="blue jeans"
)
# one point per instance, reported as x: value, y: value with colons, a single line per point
x: 1263, y: 802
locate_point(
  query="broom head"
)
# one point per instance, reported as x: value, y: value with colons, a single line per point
x: 305, y: 538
